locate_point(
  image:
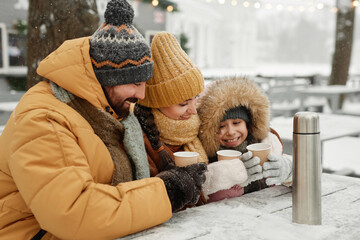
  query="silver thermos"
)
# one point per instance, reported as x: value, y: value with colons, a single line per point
x: 306, y: 194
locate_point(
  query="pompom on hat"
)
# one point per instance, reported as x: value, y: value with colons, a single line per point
x: 119, y: 53
x: 175, y: 79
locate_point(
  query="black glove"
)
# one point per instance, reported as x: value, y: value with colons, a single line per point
x: 183, y: 184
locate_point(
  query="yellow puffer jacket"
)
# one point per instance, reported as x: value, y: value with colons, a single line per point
x: 55, y: 172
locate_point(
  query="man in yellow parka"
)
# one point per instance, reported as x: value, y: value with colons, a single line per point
x: 72, y: 158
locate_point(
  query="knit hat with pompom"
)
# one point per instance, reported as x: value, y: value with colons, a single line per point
x: 119, y: 53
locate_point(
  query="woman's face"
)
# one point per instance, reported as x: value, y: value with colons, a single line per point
x: 181, y: 111
x: 232, y: 132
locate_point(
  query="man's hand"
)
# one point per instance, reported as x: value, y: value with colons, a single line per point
x: 183, y: 184
x: 253, y: 168
x: 277, y: 169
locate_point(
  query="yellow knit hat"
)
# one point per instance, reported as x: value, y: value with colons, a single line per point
x: 175, y: 78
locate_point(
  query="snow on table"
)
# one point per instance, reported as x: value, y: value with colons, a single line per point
x: 267, y: 214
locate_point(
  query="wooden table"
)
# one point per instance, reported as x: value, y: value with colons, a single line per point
x: 331, y: 92
x: 332, y: 126
x: 267, y: 215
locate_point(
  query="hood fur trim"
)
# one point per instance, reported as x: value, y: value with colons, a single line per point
x: 225, y: 94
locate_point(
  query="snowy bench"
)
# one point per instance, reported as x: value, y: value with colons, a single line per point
x: 285, y: 100
x: 332, y: 126
x: 7, y: 106
x: 342, y: 155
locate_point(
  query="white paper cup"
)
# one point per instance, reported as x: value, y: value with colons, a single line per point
x: 183, y: 159
x: 228, y: 154
x: 261, y: 150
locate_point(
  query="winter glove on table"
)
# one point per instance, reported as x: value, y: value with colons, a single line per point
x: 253, y: 168
x: 277, y: 169
x: 223, y: 175
x: 183, y: 184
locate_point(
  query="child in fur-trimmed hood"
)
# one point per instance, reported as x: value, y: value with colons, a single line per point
x: 235, y: 113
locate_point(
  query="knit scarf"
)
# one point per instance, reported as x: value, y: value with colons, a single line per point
x: 129, y: 165
x: 180, y: 132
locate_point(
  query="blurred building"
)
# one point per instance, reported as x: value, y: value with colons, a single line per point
x: 244, y: 35
x: 13, y: 46
x: 220, y: 36
x: 13, y: 21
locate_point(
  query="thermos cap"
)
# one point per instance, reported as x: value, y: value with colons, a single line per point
x: 306, y: 122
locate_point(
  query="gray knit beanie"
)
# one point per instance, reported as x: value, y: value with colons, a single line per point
x: 237, y: 112
x: 119, y: 53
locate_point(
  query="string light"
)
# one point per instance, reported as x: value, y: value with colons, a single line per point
x: 300, y: 5
x: 355, y: 3
x: 169, y: 8
x: 155, y: 3
x: 279, y: 7
x: 320, y: 6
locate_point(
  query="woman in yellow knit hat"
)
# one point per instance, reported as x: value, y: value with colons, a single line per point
x: 168, y: 113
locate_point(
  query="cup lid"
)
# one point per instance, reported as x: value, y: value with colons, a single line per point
x: 230, y: 153
x: 186, y: 154
x: 258, y: 147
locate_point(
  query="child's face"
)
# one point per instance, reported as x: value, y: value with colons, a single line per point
x: 181, y: 111
x: 232, y: 132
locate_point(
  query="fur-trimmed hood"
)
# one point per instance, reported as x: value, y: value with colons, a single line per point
x: 225, y: 94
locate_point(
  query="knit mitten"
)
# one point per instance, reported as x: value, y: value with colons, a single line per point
x: 183, y: 184
x: 223, y: 175
x: 277, y: 170
x: 253, y: 168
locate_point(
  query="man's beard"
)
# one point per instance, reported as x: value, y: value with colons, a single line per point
x: 120, y: 110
